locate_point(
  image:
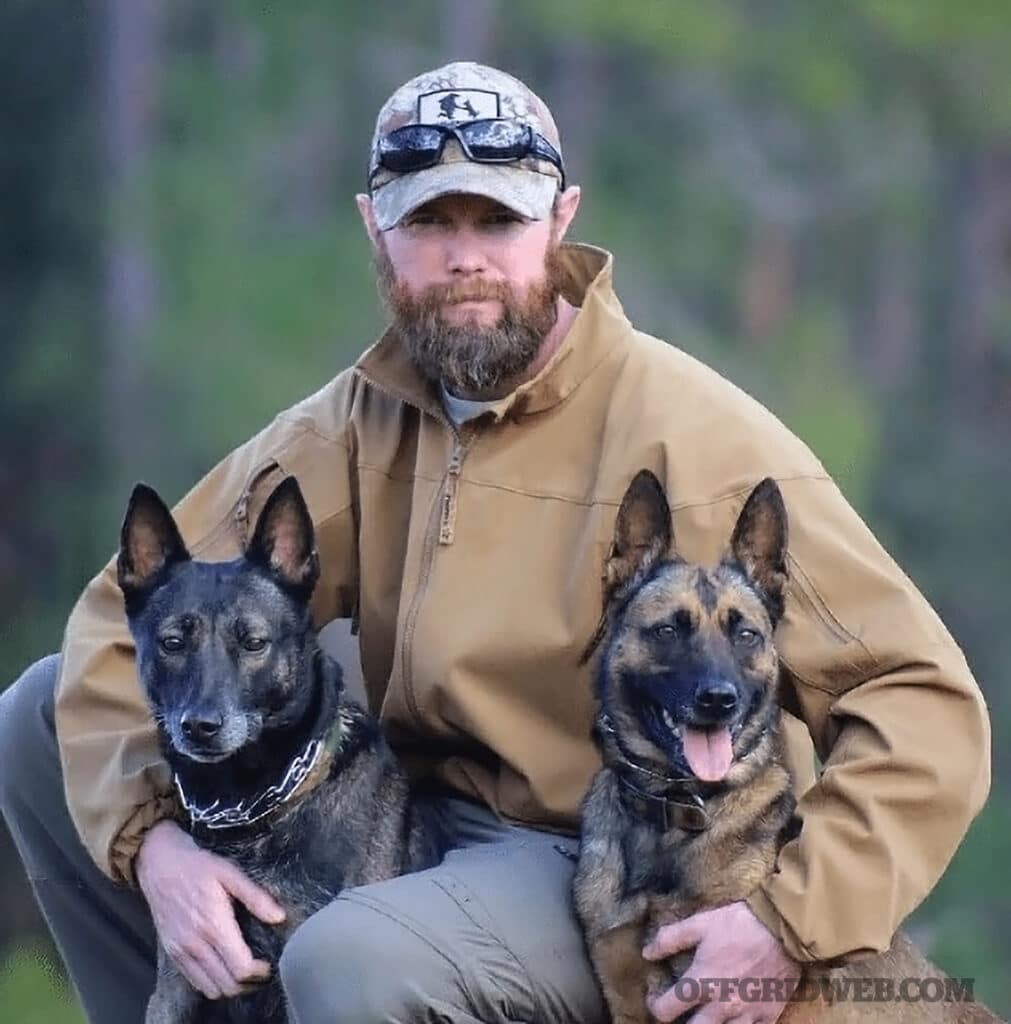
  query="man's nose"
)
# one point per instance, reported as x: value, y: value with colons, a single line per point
x: 464, y: 253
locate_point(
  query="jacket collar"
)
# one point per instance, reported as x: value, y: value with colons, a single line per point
x: 599, y: 327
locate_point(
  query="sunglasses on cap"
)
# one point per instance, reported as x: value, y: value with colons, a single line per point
x: 492, y: 140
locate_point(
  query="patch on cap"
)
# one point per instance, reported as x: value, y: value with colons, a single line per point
x: 457, y: 105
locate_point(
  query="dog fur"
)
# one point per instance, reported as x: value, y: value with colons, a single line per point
x: 240, y: 692
x: 687, y: 683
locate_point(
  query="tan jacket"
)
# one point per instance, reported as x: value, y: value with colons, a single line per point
x: 472, y: 563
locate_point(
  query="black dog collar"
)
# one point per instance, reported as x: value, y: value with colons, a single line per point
x: 677, y: 806
x: 688, y: 814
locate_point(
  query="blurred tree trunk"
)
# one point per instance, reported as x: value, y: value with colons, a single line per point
x: 47, y: 194
x: 982, y: 276
x: 768, y: 282
x: 130, y: 80
x: 576, y: 101
x: 468, y: 28
x: 889, y: 342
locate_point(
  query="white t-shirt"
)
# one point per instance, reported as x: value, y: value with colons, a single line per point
x: 462, y: 409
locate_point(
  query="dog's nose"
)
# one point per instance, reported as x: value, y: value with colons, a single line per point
x: 201, y: 726
x: 716, y: 698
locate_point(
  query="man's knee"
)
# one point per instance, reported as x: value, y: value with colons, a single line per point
x: 356, y: 961
x: 27, y: 740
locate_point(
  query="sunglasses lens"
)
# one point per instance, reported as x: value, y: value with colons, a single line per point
x: 496, y: 140
x: 415, y: 147
x: 410, y: 148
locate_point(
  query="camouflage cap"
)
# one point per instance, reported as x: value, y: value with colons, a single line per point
x: 458, y: 92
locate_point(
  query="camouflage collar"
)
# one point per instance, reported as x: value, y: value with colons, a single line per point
x: 301, y: 775
x: 677, y: 805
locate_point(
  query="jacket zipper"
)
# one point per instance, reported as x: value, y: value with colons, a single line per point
x: 447, y: 515
x: 440, y: 531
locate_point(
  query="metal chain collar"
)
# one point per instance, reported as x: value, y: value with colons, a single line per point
x: 605, y: 724
x: 251, y: 809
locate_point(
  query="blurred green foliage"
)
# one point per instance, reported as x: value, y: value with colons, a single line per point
x: 33, y: 990
x: 811, y: 197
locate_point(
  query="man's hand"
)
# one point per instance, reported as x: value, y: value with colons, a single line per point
x: 732, y: 944
x: 189, y: 891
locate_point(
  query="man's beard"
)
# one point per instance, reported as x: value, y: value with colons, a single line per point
x: 471, y: 359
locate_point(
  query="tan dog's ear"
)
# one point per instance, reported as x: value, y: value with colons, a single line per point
x: 759, y: 545
x: 643, y: 534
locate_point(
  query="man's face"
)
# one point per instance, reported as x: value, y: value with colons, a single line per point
x: 472, y: 288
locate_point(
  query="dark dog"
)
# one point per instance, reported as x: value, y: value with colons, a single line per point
x: 694, y: 799
x: 276, y: 769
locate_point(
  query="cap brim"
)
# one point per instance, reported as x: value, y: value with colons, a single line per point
x: 530, y: 193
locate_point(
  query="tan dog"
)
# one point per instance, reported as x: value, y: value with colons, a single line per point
x: 694, y: 799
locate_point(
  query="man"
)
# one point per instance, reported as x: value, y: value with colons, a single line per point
x: 464, y: 478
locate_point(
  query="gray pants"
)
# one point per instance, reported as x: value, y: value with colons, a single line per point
x: 486, y: 936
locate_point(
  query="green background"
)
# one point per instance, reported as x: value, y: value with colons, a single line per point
x: 814, y: 197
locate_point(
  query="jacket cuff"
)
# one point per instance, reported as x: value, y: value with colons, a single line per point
x: 125, y: 846
x: 765, y: 910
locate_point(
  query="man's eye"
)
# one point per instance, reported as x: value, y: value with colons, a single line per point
x: 498, y: 220
x: 420, y: 220
x: 254, y: 643
x: 171, y: 644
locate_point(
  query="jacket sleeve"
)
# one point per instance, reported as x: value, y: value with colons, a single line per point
x: 117, y: 784
x: 899, y: 725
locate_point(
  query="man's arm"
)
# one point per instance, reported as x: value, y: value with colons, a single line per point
x: 899, y: 723
x: 116, y: 781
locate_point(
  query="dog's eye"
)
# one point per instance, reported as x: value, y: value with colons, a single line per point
x: 665, y: 631
x: 254, y: 643
x: 747, y: 637
x: 171, y: 644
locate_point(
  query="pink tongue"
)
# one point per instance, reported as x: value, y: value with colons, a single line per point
x: 708, y: 753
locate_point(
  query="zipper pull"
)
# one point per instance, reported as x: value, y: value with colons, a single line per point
x: 447, y: 518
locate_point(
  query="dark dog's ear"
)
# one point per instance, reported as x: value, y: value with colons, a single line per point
x: 283, y: 541
x: 759, y: 544
x: 643, y: 533
x: 148, y: 543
